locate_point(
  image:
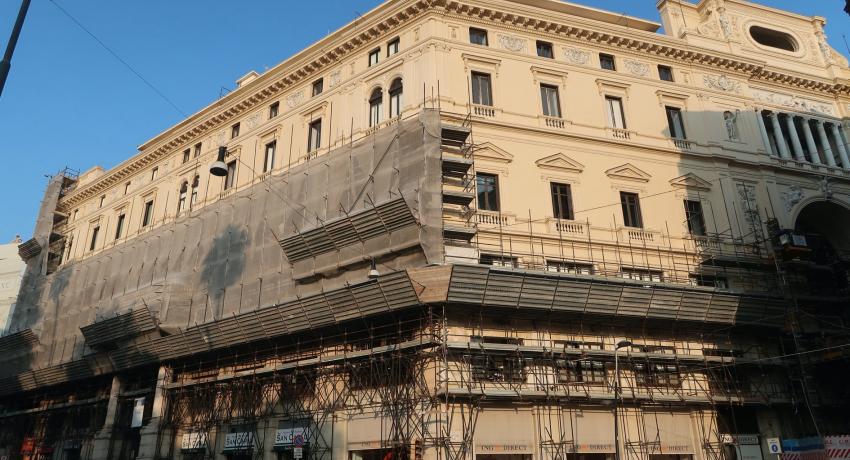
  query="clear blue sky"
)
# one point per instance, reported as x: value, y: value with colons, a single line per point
x: 67, y: 102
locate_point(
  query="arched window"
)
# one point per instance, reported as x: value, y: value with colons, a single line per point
x: 376, y: 106
x: 396, y: 91
x: 194, y: 199
x: 773, y: 38
x: 181, y: 202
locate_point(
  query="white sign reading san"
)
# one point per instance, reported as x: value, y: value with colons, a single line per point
x: 193, y: 441
x: 284, y: 436
x: 244, y: 440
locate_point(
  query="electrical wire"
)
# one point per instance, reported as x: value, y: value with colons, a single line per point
x: 119, y: 58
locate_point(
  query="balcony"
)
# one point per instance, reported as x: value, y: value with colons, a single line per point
x: 619, y: 134
x: 494, y: 219
x: 641, y: 236
x: 682, y: 144
x: 552, y: 122
x: 485, y: 111
x: 566, y: 227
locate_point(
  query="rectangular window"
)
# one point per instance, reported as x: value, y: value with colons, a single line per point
x: 230, y: 178
x: 147, y: 215
x: 695, y: 218
x: 544, y: 50
x: 268, y: 160
x: 665, y: 73
x: 274, y: 110
x: 318, y: 86
x: 186, y: 155
x: 637, y: 274
x: 126, y: 188
x: 551, y: 101
x: 606, y: 61
x: 197, y: 150
x: 631, y: 210
x: 234, y: 131
x: 498, y: 261
x: 573, y: 268
x: 657, y: 375
x: 488, y: 191
x: 393, y: 47
x: 717, y: 282
x: 94, y: 234
x: 562, y: 201
x: 314, y: 136
x: 102, y: 200
x: 675, y: 123
x: 482, y: 89
x: 119, y: 225
x: 374, y: 56
x: 154, y: 173
x: 478, y: 36
x: 616, y: 115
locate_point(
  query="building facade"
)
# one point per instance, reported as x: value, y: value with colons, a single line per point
x: 478, y: 229
x: 11, y: 271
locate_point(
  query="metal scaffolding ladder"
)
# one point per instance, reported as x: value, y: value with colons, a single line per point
x: 458, y: 192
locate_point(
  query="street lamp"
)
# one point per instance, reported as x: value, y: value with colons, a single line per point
x: 218, y: 168
x: 621, y: 344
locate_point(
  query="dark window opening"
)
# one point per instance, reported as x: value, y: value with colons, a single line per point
x: 393, y: 46
x: 695, y: 218
x: 94, y: 234
x: 665, y: 73
x: 482, y: 89
x: 631, y: 210
x: 396, y: 92
x: 498, y: 261
x: 478, y: 36
x: 230, y: 179
x: 675, y: 123
x: 488, y: 191
x: 551, y: 101
x: 606, y: 61
x: 318, y: 86
x: 119, y: 226
x: 374, y: 56
x: 147, y: 215
x: 562, y: 201
x: 544, y: 50
x: 314, y: 136
x: 773, y: 38
x: 274, y: 109
x: 234, y: 130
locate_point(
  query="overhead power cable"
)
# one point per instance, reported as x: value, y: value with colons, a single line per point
x: 119, y: 58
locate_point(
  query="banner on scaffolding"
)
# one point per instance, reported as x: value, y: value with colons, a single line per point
x: 810, y: 448
x: 837, y: 447
x: 193, y: 441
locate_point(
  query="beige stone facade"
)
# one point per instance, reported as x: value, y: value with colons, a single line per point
x: 591, y: 240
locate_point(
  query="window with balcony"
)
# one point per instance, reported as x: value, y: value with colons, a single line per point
x: 665, y: 73
x: 396, y: 93
x: 94, y: 233
x: 268, y: 158
x: 147, y: 214
x: 230, y: 178
x: 544, y: 50
x: 562, y: 201
x: 488, y: 191
x: 376, y: 107
x: 274, y: 110
x: 393, y: 46
x: 374, y: 56
x: 675, y: 123
x: 314, y: 135
x: 695, y: 218
x: 318, y: 87
x: 631, y: 210
x: 234, y: 131
x: 551, y: 100
x: 482, y: 89
x: 606, y: 61
x: 478, y: 36
x: 614, y: 110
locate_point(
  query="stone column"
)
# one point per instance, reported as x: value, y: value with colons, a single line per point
x: 842, y: 149
x: 810, y: 141
x: 827, y: 149
x: 763, y: 131
x: 150, y: 432
x: 102, y: 443
x: 779, y: 137
x: 795, y: 139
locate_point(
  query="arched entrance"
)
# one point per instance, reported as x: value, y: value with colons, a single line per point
x: 826, y: 227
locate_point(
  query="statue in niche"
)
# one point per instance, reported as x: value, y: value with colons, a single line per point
x: 730, y: 119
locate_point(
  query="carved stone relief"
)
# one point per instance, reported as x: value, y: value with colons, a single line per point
x: 792, y: 196
x: 334, y: 78
x: 577, y: 56
x: 511, y: 43
x: 793, y: 102
x: 636, y: 67
x: 721, y: 83
x: 295, y: 99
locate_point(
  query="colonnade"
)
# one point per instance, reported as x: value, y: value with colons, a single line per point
x: 803, y: 147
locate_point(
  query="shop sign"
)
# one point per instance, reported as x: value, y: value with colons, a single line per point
x: 740, y: 439
x: 239, y: 441
x: 286, y: 436
x: 590, y: 448
x: 298, y: 453
x: 138, y: 412
x: 193, y: 441
x: 517, y: 448
x: 802, y: 444
x: 774, y: 446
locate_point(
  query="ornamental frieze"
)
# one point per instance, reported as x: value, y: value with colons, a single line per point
x: 793, y: 102
x: 511, y: 43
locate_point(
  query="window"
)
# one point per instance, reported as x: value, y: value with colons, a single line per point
x: 376, y: 106
x: 102, y: 200
x: 119, y: 225
x: 374, y: 55
x: 616, y: 116
x: 551, y: 101
x: 274, y: 110
x: 498, y: 261
x: 234, y: 131
x: 181, y: 198
x: 638, y: 274
x: 695, y: 218
x: 230, y: 178
x: 562, y: 201
x: 573, y: 268
x: 544, y: 49
x: 393, y: 46
x: 717, y: 282
x: 318, y: 86
x: 197, y: 150
x: 631, y: 210
x: 606, y: 61
x: 396, y: 91
x: 478, y: 36
x: 268, y: 160
x: 494, y: 367
x: 586, y: 371
x: 74, y: 218
x: 482, y: 90
x: 488, y: 191
x: 94, y: 234
x: 147, y: 215
x: 186, y: 155
x: 665, y: 73
x: 126, y: 188
x: 314, y: 135
x: 773, y: 38
x: 657, y: 375
x: 675, y: 123
x: 194, y: 198
x: 154, y: 173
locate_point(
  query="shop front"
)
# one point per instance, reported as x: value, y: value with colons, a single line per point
x: 291, y: 442
x: 668, y: 435
x: 239, y: 445
x: 594, y: 435
x: 193, y: 445
x: 370, y: 438
x: 742, y: 446
x: 504, y: 435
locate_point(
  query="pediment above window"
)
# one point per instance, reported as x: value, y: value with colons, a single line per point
x: 690, y: 181
x: 628, y: 172
x: 489, y: 152
x: 560, y: 162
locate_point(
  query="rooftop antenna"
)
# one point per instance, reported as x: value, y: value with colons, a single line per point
x: 222, y: 92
